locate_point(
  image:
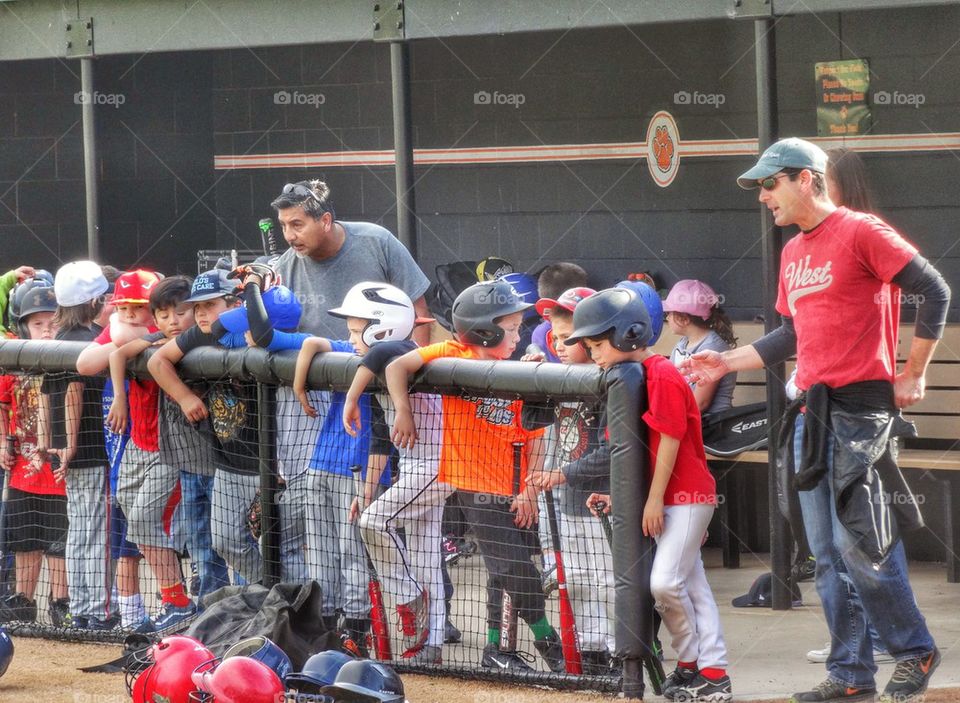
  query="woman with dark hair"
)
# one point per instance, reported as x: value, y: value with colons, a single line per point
x: 847, y: 180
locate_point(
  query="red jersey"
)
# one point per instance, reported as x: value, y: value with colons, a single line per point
x: 144, y: 401
x: 478, y: 434
x: 673, y: 411
x: 22, y: 394
x: 835, y: 284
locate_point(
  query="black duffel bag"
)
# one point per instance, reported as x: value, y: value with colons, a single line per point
x: 735, y: 430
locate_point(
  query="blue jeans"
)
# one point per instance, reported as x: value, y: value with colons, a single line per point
x: 195, y: 506
x: 853, y: 592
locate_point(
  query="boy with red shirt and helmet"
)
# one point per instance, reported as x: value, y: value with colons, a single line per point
x: 614, y: 326
x: 36, y: 502
x: 477, y: 458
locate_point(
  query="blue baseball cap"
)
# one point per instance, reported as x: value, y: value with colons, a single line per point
x: 211, y: 284
x: 787, y: 153
x: 283, y: 311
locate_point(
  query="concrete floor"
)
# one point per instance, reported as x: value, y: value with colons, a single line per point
x: 766, y: 649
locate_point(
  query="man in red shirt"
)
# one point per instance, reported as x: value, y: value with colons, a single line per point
x: 839, y: 295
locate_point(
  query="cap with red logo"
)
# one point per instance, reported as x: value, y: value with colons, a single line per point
x: 568, y: 300
x: 134, y: 287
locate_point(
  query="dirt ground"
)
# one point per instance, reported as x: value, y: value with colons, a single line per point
x: 48, y: 671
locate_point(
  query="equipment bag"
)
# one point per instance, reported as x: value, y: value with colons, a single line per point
x: 735, y: 430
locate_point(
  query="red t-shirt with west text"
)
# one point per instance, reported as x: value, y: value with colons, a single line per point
x: 835, y: 284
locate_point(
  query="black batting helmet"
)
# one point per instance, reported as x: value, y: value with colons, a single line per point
x: 616, y: 313
x: 476, y: 308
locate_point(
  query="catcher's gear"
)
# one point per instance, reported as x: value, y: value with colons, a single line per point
x: 319, y: 670
x: 367, y: 680
x: 651, y: 299
x: 388, y: 310
x: 164, y: 671
x: 263, y: 650
x: 6, y: 651
x: 476, y: 309
x: 616, y: 313
x: 268, y: 275
x: 236, y: 680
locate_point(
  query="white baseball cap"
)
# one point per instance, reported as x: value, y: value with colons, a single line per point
x: 79, y: 282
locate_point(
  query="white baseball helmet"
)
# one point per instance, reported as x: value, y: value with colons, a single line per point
x: 388, y: 309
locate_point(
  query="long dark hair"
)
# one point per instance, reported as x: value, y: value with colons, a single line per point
x: 848, y: 172
x: 719, y: 322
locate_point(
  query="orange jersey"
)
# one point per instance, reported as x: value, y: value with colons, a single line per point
x: 478, y: 434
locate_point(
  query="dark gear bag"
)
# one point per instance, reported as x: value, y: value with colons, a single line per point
x: 452, y: 280
x: 735, y: 430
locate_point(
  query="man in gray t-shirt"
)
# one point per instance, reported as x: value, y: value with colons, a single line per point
x: 327, y: 257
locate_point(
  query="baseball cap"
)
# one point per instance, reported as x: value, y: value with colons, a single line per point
x: 134, y: 287
x: 568, y: 300
x: 79, y: 282
x: 691, y: 297
x: 787, y: 153
x: 283, y: 311
x: 760, y: 594
x: 211, y: 284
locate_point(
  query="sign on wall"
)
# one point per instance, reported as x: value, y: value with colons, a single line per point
x: 663, y: 148
x: 842, y: 88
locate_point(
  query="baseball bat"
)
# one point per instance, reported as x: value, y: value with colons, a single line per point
x: 568, y: 625
x: 379, y: 625
x: 268, y: 237
x: 508, y: 615
x: 651, y: 662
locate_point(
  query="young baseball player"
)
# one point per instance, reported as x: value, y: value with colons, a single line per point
x: 410, y: 566
x: 147, y: 488
x: 614, y: 326
x: 231, y: 406
x: 335, y: 551
x: 36, y: 504
x: 580, y: 465
x: 74, y: 436
x: 477, y: 458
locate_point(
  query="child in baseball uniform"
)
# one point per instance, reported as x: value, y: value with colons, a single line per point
x: 614, y: 326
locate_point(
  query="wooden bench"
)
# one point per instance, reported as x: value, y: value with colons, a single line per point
x: 935, y: 452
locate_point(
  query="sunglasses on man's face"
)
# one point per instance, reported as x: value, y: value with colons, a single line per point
x: 770, y: 182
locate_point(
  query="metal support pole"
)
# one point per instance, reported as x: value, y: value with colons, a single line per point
x: 767, y: 128
x: 403, y: 146
x: 269, y: 510
x: 90, y: 159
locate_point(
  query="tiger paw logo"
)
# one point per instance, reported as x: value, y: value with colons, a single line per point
x: 663, y: 148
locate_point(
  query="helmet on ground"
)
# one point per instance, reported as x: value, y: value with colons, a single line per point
x: 162, y: 672
x: 615, y: 312
x: 39, y: 298
x: 319, y: 670
x: 651, y: 299
x: 476, y: 308
x: 6, y: 651
x: 365, y: 680
x: 388, y: 310
x: 239, y: 679
x: 264, y: 650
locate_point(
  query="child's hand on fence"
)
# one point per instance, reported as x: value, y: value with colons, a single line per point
x: 301, y: 393
x: 538, y: 356
x: 546, y: 480
x: 653, y: 517
x: 404, y: 435
x: 599, y: 502
x: 193, y: 408
x: 351, y: 417
x: 525, y: 506
x: 117, y: 417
